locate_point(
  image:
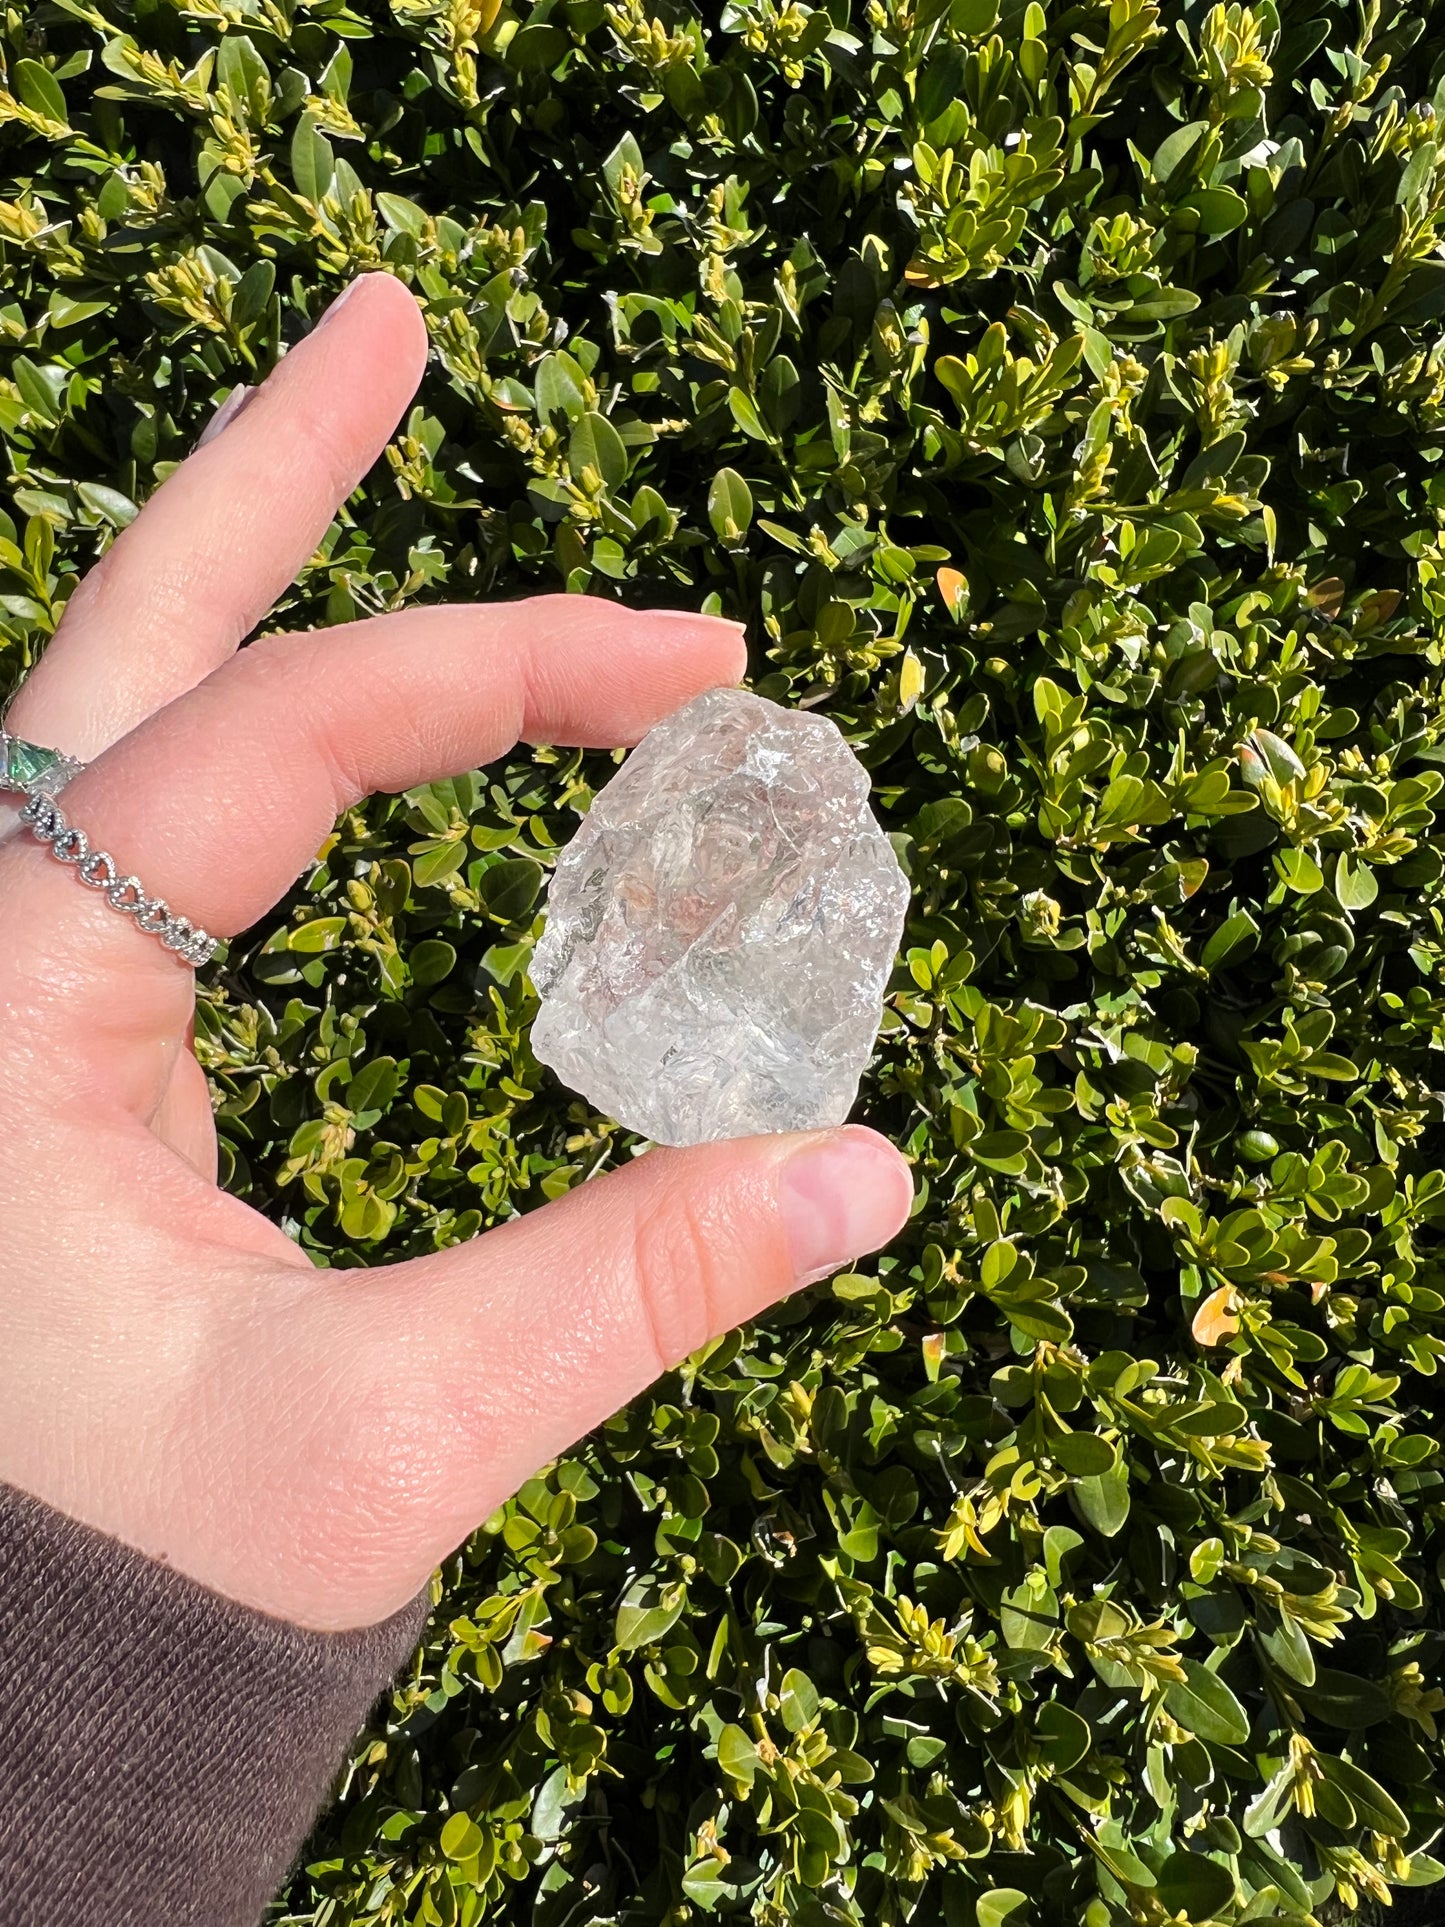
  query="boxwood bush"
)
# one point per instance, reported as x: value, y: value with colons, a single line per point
x: 1058, y: 392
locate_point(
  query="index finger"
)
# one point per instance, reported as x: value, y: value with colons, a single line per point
x: 183, y: 586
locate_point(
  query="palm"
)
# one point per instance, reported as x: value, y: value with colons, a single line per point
x: 311, y: 1442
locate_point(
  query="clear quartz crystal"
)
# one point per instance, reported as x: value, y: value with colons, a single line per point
x: 721, y: 929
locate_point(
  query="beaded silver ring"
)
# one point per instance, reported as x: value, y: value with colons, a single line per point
x: 126, y: 895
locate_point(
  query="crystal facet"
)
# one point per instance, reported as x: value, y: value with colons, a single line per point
x: 721, y: 928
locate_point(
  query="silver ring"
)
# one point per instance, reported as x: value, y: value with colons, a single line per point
x: 32, y: 769
x: 98, y: 870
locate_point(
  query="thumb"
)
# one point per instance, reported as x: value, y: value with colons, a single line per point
x: 491, y: 1358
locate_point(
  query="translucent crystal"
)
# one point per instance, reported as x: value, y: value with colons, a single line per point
x: 721, y: 929
x: 28, y: 766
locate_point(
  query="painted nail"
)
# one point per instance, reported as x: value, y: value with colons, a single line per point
x: 841, y: 1197
x: 238, y: 399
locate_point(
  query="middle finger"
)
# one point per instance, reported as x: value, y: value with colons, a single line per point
x: 218, y: 802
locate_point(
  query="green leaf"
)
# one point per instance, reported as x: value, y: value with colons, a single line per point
x: 1104, y: 1501
x: 373, y: 1087
x: 549, y: 1810
x: 1001, y: 1151
x: 1038, y: 1319
x: 318, y: 934
x: 41, y: 389
x: 39, y: 89
x: 1374, y: 1806
x: 536, y: 48
x: 941, y: 81
x: 1084, y: 1456
x: 1168, y: 305
x: 511, y: 887
x: 443, y: 860
x: 1220, y: 209
x: 1061, y: 1737
x: 1202, y: 1702
x: 1354, y: 884
x: 1029, y: 1614
x: 1195, y: 1886
x: 797, y: 1700
x: 1234, y: 940
x: 1288, y: 1646
x: 1345, y: 1699
x: 461, y: 1837
x: 648, y: 1610
x: 253, y: 293
x: 404, y: 216
x: 596, y: 444
x: 729, y: 506
x: 1177, y: 151
x: 1265, y: 754
x: 108, y: 503
x: 560, y: 388
x: 737, y: 1755
x: 1004, y: 1907
x: 313, y: 165
x: 745, y: 414
x: 1416, y: 173
x: 431, y: 961
x: 1298, y: 869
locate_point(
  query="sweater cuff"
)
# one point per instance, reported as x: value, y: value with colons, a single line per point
x: 163, y: 1750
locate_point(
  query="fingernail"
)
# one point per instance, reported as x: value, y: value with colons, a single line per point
x: 694, y: 619
x: 841, y: 1197
x: 225, y: 414
x: 331, y: 312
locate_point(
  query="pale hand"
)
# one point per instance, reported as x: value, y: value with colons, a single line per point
x: 312, y: 1442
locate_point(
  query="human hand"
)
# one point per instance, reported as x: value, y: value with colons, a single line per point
x: 309, y: 1442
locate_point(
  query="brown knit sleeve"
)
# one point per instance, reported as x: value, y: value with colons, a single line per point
x: 162, y: 1750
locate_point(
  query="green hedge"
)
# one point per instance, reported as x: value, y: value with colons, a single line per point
x: 1058, y: 391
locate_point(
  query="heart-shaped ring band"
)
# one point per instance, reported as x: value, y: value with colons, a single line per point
x: 98, y: 870
x: 32, y: 769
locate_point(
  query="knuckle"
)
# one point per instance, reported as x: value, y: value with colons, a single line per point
x: 678, y: 1254
x: 551, y: 606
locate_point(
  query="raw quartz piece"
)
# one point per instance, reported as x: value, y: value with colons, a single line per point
x: 721, y: 929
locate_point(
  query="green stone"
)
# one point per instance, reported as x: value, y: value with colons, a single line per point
x: 26, y: 763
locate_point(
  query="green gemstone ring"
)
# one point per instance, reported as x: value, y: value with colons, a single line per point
x: 39, y: 774
x: 33, y: 770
